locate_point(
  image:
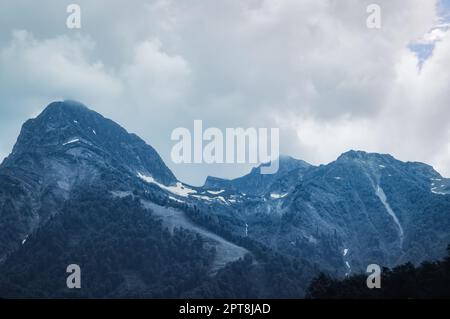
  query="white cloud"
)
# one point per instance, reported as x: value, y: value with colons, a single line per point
x: 311, y: 67
x: 154, y: 77
x: 54, y: 66
x: 433, y: 36
x: 34, y: 72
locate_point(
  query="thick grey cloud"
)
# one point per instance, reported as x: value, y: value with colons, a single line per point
x: 310, y: 67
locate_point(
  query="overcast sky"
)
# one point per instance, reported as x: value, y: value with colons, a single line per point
x: 311, y: 68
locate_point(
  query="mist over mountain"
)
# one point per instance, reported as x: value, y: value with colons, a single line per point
x: 78, y: 188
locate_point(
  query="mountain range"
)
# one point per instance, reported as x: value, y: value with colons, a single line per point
x: 79, y: 189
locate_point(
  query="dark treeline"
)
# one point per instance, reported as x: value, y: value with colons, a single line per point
x: 124, y: 252
x: 121, y: 249
x: 430, y: 280
x: 262, y: 274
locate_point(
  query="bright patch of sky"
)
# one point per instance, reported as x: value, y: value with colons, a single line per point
x: 425, y: 45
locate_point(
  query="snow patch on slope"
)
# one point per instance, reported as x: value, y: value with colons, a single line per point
x: 179, y: 189
x: 216, y: 192
x: 24, y: 240
x: 176, y: 199
x: 277, y: 196
x: 438, y: 189
x: 434, y: 191
x: 72, y: 141
x: 382, y: 196
x: 203, y: 197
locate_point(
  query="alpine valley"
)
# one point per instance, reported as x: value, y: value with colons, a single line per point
x: 79, y: 189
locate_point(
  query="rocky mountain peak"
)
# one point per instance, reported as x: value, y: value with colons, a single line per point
x: 69, y: 129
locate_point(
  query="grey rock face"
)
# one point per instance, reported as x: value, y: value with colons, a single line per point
x: 362, y: 208
x: 66, y: 147
x: 259, y: 184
